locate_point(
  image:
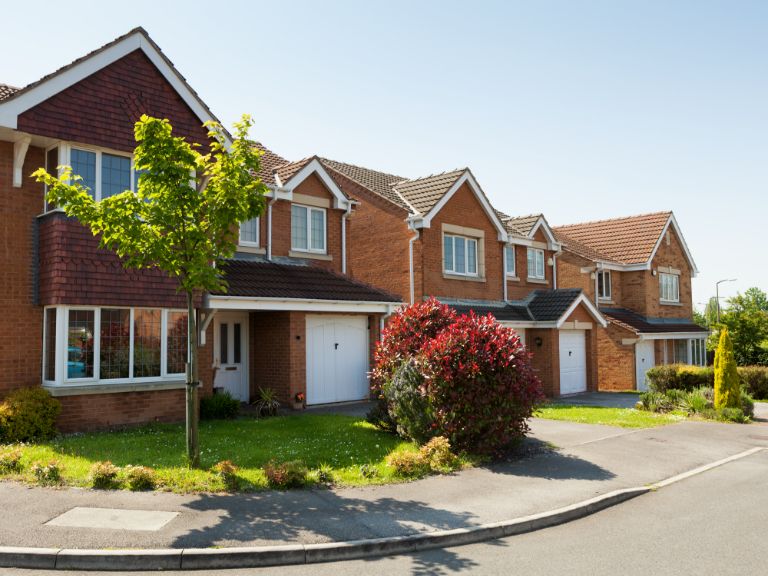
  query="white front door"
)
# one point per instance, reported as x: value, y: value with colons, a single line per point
x: 230, y: 353
x: 337, y: 358
x: 573, y: 362
x: 644, y: 359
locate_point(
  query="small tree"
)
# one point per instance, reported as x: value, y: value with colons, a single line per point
x: 727, y: 387
x: 182, y: 219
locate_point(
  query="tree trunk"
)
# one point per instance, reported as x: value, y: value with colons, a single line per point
x: 193, y: 446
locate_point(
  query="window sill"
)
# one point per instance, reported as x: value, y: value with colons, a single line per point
x: 513, y: 278
x: 605, y: 301
x: 664, y: 303
x: 538, y: 281
x: 246, y: 249
x: 449, y: 276
x: 310, y: 255
x: 100, y: 388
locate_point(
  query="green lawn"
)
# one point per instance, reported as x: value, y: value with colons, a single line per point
x: 342, y: 442
x: 622, y: 417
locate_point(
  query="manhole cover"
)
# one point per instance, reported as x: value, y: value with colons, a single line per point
x: 113, y: 518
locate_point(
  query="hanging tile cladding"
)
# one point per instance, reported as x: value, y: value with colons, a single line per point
x: 74, y: 270
x: 103, y: 108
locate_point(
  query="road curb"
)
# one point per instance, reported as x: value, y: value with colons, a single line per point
x: 261, y: 556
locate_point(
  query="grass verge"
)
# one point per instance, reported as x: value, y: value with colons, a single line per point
x: 621, y: 417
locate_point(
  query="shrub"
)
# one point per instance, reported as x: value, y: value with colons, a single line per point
x: 655, y: 402
x: 480, y: 384
x: 267, y: 404
x: 409, y: 407
x: 369, y: 471
x: 406, y: 333
x: 747, y: 404
x: 727, y: 386
x: 408, y: 464
x: 437, y: 454
x: 324, y: 474
x: 755, y: 380
x: 729, y: 414
x: 47, y: 474
x: 697, y: 401
x: 227, y: 471
x: 28, y: 414
x: 679, y: 377
x: 104, y: 475
x: 286, y: 474
x: 140, y: 478
x: 220, y: 406
x: 10, y: 462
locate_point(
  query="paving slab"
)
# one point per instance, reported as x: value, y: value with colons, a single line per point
x: 113, y: 519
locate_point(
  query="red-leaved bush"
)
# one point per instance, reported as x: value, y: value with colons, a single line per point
x: 480, y: 384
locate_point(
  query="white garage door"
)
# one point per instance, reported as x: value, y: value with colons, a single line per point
x: 573, y: 362
x: 337, y: 358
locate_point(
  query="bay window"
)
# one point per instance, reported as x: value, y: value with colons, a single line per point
x: 113, y: 345
x: 536, y: 263
x: 669, y: 286
x: 459, y: 255
x: 307, y: 229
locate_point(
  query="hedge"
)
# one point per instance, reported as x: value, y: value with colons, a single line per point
x: 754, y: 379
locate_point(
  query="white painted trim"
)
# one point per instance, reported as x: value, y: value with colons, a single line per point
x: 671, y: 335
x: 467, y: 177
x: 20, y: 148
x: 553, y: 244
x: 14, y: 106
x: 582, y: 299
x: 673, y: 221
x: 340, y: 200
x: 295, y: 304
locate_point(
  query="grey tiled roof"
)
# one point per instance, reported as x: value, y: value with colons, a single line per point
x: 639, y: 324
x: 539, y: 306
x: 549, y: 305
x: 263, y: 279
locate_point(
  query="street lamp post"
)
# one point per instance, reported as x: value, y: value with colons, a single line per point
x: 717, y: 294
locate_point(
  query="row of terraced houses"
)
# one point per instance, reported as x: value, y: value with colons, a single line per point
x: 338, y: 249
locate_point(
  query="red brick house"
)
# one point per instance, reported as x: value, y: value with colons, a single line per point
x: 638, y: 271
x: 439, y: 236
x: 109, y: 342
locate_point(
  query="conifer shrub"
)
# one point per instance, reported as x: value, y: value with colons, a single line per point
x: 727, y: 384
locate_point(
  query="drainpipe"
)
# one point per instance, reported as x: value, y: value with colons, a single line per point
x: 269, y: 225
x: 344, y: 237
x: 554, y: 268
x: 410, y: 260
x: 597, y: 269
x: 504, y: 272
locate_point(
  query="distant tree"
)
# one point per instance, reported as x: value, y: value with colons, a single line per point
x: 746, y: 317
x: 727, y: 386
x: 182, y: 219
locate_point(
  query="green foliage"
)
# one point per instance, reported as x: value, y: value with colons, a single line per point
x: 746, y: 318
x: 755, y: 380
x: 47, y: 474
x: 698, y: 401
x: 219, y: 406
x: 747, y: 404
x: 369, y: 471
x: 140, y: 478
x: 267, y: 404
x: 655, y: 402
x: 409, y: 407
x: 284, y: 475
x: 104, y: 475
x: 228, y: 473
x: 666, y: 377
x: 28, y: 414
x: 324, y: 474
x: 10, y: 461
x: 731, y: 414
x: 727, y: 386
x: 438, y: 456
x: 408, y: 464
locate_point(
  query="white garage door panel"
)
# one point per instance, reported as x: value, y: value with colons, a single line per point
x: 337, y: 358
x: 573, y: 362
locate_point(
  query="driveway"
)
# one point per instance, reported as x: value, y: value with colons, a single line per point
x: 604, y: 399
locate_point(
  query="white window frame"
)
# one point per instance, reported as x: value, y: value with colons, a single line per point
x: 61, y: 343
x: 450, y: 238
x: 257, y: 223
x: 309, y: 248
x: 669, y: 290
x: 510, y: 262
x: 606, y: 276
x: 538, y: 256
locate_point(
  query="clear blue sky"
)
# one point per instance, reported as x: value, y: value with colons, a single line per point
x: 580, y: 110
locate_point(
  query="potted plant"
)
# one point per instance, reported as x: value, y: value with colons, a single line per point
x: 298, y: 401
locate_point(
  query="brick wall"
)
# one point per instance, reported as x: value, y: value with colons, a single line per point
x: 520, y: 288
x: 463, y: 209
x: 671, y: 255
x: 21, y: 322
x: 546, y: 358
x: 616, y: 360
x: 102, y: 108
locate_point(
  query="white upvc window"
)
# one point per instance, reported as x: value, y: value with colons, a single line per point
x: 249, y: 232
x: 536, y: 263
x: 698, y: 353
x: 604, y: 284
x: 113, y: 345
x: 669, y: 287
x: 459, y: 255
x: 509, y: 256
x: 308, y: 229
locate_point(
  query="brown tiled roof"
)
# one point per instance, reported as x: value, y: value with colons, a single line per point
x: 269, y: 163
x: 628, y: 240
x: 638, y: 324
x: 261, y: 279
x: 581, y: 249
x: 6, y: 91
x: 424, y: 193
x: 287, y: 171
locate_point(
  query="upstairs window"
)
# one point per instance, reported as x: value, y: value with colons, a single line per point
x: 459, y: 255
x: 669, y: 286
x: 604, y: 285
x: 536, y: 263
x: 509, y: 253
x: 115, y: 174
x: 103, y: 174
x: 307, y: 229
x: 249, y: 232
x: 83, y: 163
